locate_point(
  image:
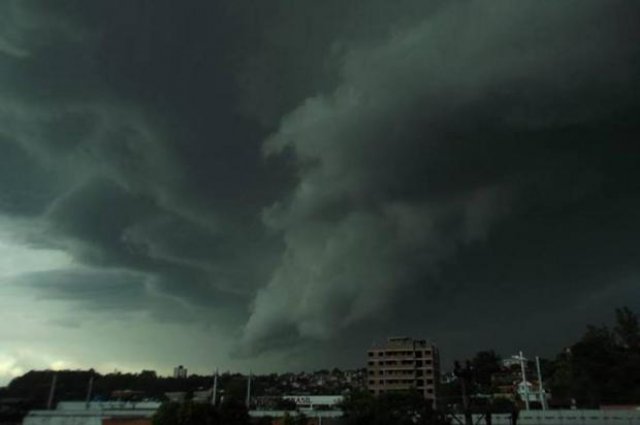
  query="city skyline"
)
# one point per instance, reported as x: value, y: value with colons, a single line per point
x: 274, y: 185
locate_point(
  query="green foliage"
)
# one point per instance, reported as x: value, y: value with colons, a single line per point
x: 627, y: 329
x: 501, y: 405
x: 234, y: 412
x: 299, y: 419
x: 190, y: 413
x: 264, y: 420
x: 35, y: 386
x: 236, y: 388
x: 603, y: 367
x: 187, y: 413
x: 285, y: 404
x: 485, y: 364
x: 72, y: 385
x: 397, y: 408
x: 287, y: 419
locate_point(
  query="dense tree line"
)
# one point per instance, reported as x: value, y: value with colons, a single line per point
x: 72, y: 385
x: 603, y: 367
x: 230, y: 412
x: 397, y: 408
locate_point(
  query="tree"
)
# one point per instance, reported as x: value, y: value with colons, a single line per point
x: 626, y: 371
x: 234, y: 412
x: 485, y: 364
x: 561, y: 378
x: 603, y: 367
x: 627, y: 329
x: 285, y: 404
x: 287, y: 419
x: 299, y: 419
x: 188, y: 413
x: 397, y: 408
x: 236, y: 388
x: 591, y: 361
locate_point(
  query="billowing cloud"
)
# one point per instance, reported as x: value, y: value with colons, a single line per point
x: 432, y: 137
x: 269, y: 177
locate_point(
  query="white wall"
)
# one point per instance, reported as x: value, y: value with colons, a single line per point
x: 62, y: 420
x: 566, y: 417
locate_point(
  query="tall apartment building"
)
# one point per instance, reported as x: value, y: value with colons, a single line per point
x: 404, y: 364
x: 180, y: 372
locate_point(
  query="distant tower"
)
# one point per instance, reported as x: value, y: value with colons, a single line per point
x: 180, y: 372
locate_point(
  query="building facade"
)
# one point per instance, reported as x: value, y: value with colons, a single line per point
x: 404, y: 364
x: 180, y: 372
x: 94, y: 413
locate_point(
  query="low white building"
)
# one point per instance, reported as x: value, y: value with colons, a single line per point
x: 315, y: 402
x: 527, y: 391
x: 94, y: 413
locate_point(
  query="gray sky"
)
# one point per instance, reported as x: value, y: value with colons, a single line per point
x: 274, y: 185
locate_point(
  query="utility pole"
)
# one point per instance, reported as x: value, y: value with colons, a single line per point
x: 524, y: 382
x: 543, y: 399
x: 248, y: 401
x: 464, y: 376
x: 52, y: 391
x: 89, y: 391
x: 214, y: 395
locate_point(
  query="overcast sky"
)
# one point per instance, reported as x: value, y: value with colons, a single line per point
x: 274, y: 185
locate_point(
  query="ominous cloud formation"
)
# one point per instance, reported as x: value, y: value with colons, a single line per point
x: 279, y: 173
x: 435, y: 135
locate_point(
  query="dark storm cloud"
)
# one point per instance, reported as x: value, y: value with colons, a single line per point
x: 488, y: 117
x: 422, y: 159
x: 111, y: 172
x: 20, y: 193
x: 102, y: 290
